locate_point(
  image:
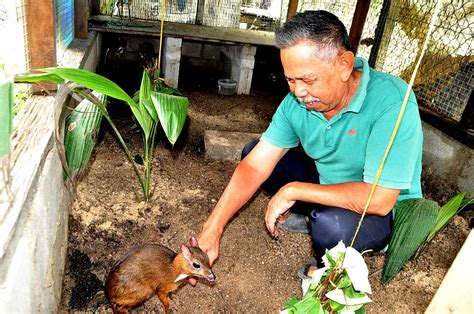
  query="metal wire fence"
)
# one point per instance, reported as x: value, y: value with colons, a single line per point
x: 445, y: 78
x: 391, y: 40
x: 246, y: 14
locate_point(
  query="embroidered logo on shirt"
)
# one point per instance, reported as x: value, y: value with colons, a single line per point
x: 352, y: 132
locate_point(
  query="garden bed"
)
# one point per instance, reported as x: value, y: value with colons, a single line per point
x: 255, y: 273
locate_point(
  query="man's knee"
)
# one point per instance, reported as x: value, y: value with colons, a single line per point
x: 327, y: 232
x: 248, y: 147
x: 329, y: 226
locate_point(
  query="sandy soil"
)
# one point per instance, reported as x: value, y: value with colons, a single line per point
x: 255, y: 272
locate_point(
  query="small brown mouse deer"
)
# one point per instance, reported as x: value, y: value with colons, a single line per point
x: 154, y: 269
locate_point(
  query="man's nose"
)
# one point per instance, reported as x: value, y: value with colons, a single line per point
x: 300, y: 89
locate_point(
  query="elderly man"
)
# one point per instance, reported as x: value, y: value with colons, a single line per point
x: 320, y: 154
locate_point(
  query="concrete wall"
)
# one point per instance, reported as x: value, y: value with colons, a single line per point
x: 34, y: 201
x: 234, y: 62
x: 452, y: 161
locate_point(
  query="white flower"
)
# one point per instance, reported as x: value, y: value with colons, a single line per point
x: 335, y: 253
x: 339, y: 296
x: 357, y: 270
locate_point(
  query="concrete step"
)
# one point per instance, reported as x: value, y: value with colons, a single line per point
x: 221, y: 145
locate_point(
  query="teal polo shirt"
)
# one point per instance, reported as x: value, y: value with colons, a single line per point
x: 350, y: 146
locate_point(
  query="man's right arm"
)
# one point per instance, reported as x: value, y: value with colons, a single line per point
x: 251, y: 172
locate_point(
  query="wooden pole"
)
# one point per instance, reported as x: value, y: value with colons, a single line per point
x: 292, y: 8
x: 467, y: 118
x: 81, y: 16
x: 383, y: 32
x: 40, y: 30
x: 39, y: 17
x: 358, y: 21
x: 200, y: 12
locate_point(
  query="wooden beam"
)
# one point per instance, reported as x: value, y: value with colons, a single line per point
x: 292, y: 8
x: 41, y: 42
x: 107, y: 24
x: 81, y: 16
x: 358, y: 21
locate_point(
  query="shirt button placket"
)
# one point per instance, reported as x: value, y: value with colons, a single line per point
x: 326, y: 135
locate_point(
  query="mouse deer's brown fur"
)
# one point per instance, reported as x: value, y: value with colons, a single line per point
x: 154, y: 269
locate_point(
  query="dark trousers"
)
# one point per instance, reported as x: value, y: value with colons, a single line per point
x: 328, y: 224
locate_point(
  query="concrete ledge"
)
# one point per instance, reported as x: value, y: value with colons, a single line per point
x: 33, y: 223
x: 455, y: 295
x: 34, y: 201
x: 221, y: 145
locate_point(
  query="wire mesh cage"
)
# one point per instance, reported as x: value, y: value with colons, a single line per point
x: 221, y: 13
x: 445, y: 79
x: 343, y: 9
x: 181, y: 11
x: 262, y: 15
x: 265, y: 15
x: 392, y: 39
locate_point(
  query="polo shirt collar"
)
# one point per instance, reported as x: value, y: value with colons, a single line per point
x: 357, y: 100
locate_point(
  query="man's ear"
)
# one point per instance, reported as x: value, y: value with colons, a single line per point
x: 346, y: 64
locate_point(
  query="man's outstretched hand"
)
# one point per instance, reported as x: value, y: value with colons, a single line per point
x: 278, y: 210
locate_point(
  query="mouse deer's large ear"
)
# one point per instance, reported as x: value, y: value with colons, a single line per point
x: 186, y: 252
x: 194, y: 242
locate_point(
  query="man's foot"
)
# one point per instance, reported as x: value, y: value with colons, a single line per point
x: 295, y: 223
x: 307, y: 270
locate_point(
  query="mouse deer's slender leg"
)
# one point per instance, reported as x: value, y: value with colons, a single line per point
x: 164, y: 299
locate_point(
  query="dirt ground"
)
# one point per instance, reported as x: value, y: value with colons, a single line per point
x: 255, y: 273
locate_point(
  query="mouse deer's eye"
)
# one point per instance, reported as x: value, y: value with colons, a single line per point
x: 196, y: 265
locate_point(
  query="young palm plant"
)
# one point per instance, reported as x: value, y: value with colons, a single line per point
x: 157, y: 104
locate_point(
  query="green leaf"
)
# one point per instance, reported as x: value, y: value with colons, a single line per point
x: 446, y: 213
x: 360, y: 310
x: 413, y: 222
x: 81, y: 128
x: 172, y: 111
x: 344, y: 282
x: 291, y: 302
x: 92, y: 81
x: 330, y: 259
x: 144, y: 96
x: 466, y: 202
x: 351, y: 293
x: 168, y: 91
x: 6, y: 112
x: 335, y: 306
x: 310, y: 305
x: 96, y: 83
x: 34, y: 78
x: 144, y: 120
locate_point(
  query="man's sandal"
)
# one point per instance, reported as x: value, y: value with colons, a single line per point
x: 295, y: 223
x: 303, y: 272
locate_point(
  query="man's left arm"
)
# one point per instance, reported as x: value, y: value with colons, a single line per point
x: 396, y: 176
x: 350, y: 195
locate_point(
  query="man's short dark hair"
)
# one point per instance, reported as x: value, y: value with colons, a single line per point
x: 321, y: 27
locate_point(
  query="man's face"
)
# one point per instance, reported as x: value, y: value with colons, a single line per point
x: 315, y: 82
